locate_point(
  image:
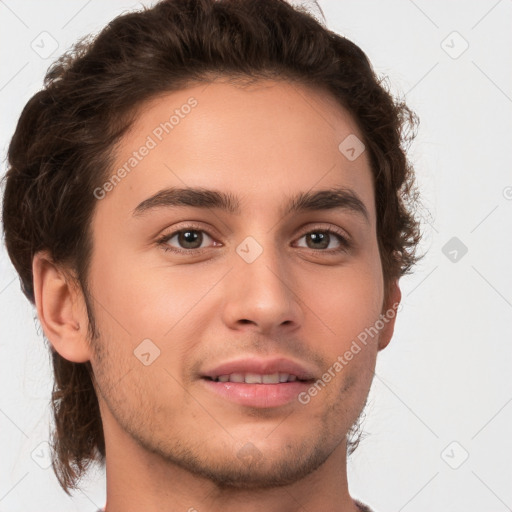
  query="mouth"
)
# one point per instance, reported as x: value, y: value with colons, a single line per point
x: 257, y: 378
x: 257, y: 382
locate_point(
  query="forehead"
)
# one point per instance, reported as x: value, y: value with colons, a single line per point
x: 257, y: 142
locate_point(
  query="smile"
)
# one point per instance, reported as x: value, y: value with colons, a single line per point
x: 256, y: 378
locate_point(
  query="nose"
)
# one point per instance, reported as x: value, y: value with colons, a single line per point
x: 261, y: 294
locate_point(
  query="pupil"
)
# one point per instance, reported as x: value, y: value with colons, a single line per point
x: 190, y: 237
x: 319, y: 237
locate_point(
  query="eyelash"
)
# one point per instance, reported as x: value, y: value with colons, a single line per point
x: 343, y: 241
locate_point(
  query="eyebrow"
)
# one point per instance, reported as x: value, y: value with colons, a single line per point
x: 198, y: 197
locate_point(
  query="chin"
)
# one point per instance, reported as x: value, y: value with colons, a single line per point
x: 252, y: 468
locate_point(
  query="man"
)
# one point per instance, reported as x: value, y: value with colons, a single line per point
x: 208, y: 207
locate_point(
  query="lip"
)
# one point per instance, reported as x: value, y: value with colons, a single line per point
x: 263, y: 396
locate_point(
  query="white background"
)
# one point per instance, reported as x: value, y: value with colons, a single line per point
x: 444, y: 381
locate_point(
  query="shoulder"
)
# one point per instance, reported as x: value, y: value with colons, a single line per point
x: 362, y: 506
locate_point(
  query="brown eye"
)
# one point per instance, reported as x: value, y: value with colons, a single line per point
x: 190, y: 239
x: 185, y: 240
x: 322, y: 239
x: 318, y: 240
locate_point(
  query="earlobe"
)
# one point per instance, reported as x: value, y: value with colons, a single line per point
x: 59, y: 309
x: 389, y: 314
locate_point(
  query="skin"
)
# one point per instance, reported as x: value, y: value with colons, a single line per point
x: 171, y: 443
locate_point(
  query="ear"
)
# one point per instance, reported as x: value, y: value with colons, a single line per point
x: 61, y: 309
x: 389, y: 312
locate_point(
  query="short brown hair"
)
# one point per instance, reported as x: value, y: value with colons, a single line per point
x: 64, y: 142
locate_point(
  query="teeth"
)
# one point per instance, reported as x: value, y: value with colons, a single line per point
x: 252, y: 378
x: 256, y: 378
x: 271, y: 379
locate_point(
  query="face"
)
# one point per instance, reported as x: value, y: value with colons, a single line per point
x: 216, y: 320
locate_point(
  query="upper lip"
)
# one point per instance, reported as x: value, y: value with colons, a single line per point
x: 260, y: 366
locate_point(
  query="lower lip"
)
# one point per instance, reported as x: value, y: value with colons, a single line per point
x: 258, y: 395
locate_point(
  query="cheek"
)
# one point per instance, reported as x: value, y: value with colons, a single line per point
x: 346, y: 301
x: 174, y: 300
x: 147, y: 300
